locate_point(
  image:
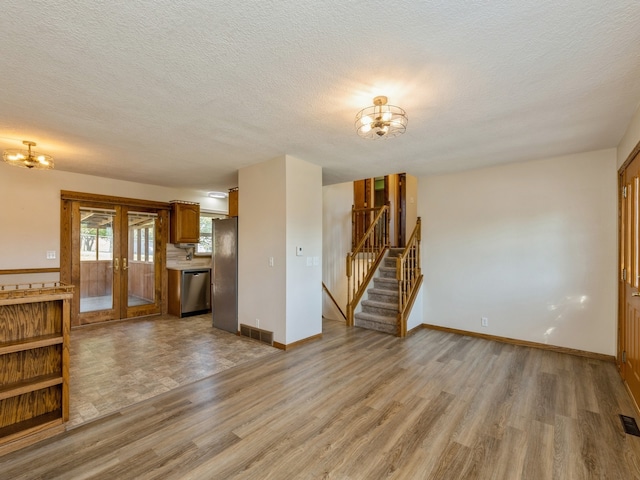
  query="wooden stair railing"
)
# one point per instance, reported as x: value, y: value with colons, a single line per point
x: 361, y: 220
x: 363, y: 261
x: 409, y: 276
x: 326, y: 289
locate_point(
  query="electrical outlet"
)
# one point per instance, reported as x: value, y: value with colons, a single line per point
x: 484, y: 321
x: 51, y: 254
x: 257, y: 323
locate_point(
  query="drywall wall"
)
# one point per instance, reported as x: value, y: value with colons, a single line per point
x: 281, y: 209
x: 630, y: 139
x: 531, y: 246
x: 411, y: 203
x: 337, y: 201
x: 261, y: 237
x: 303, y: 230
x: 30, y: 217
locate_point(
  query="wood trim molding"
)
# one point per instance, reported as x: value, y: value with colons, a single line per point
x: 289, y: 346
x: 111, y: 200
x: 21, y: 271
x: 634, y: 153
x: 524, y: 343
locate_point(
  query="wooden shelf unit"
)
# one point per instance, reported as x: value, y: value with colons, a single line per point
x: 34, y: 362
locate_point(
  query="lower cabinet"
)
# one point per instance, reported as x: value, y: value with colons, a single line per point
x: 34, y: 362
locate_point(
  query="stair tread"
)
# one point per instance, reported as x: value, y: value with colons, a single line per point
x: 385, y: 280
x: 375, y: 318
x: 378, y: 304
x: 383, y: 291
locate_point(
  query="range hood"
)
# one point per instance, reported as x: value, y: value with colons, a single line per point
x: 185, y: 245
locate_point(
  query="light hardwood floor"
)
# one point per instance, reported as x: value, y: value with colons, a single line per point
x: 359, y: 404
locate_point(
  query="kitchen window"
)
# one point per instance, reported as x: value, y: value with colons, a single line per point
x: 205, y: 246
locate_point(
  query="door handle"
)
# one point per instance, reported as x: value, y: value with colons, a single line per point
x: 116, y: 266
x: 635, y: 294
x: 124, y: 264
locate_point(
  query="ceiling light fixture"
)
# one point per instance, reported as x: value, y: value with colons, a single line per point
x: 218, y: 194
x: 27, y: 158
x: 381, y: 120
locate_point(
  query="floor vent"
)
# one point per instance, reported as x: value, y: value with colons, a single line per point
x: 257, y: 334
x: 630, y: 426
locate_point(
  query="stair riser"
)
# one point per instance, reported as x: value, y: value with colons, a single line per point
x: 381, y: 297
x: 389, y: 262
x: 380, y: 327
x: 388, y: 273
x: 385, y: 283
x: 385, y: 312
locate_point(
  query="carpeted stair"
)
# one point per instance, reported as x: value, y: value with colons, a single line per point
x: 380, y: 311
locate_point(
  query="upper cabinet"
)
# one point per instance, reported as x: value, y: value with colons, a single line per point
x: 184, y: 222
x: 233, y: 202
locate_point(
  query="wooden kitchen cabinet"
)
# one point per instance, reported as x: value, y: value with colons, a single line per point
x: 184, y: 222
x: 233, y: 202
x: 34, y: 362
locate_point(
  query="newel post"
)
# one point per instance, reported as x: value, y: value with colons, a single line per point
x: 418, y: 238
x: 349, y: 290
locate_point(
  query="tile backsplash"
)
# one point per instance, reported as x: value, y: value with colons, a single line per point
x: 177, y: 258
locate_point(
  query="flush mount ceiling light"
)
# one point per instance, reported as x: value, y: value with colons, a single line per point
x: 27, y: 158
x: 381, y: 120
x: 218, y: 194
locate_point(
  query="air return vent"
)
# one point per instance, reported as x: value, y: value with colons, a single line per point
x: 257, y: 334
x: 629, y: 425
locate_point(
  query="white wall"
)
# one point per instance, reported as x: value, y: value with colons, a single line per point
x: 630, y: 139
x: 30, y: 216
x: 304, y: 229
x: 336, y: 243
x: 532, y: 246
x: 261, y: 235
x: 280, y: 208
x: 411, y: 199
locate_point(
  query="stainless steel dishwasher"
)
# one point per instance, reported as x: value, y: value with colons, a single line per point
x: 196, y: 291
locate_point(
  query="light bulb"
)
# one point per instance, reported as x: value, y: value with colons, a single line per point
x: 366, y: 120
x: 386, y: 116
x: 366, y: 128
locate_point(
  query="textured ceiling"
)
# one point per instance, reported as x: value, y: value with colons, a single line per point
x: 184, y: 93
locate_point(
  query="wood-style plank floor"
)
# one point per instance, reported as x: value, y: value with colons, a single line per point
x: 359, y: 404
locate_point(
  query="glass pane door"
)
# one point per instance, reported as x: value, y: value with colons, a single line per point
x: 96, y: 259
x: 117, y: 255
x: 141, y: 265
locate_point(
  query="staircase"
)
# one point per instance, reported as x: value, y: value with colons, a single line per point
x: 380, y: 310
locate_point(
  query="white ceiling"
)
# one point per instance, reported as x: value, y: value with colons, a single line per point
x: 184, y: 93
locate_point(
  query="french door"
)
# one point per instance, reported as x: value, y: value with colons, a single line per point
x: 115, y: 257
x: 629, y: 276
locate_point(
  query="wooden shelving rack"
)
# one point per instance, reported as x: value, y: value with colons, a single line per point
x: 34, y: 362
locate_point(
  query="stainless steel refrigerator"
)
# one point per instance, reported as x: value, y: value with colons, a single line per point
x: 224, y: 274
